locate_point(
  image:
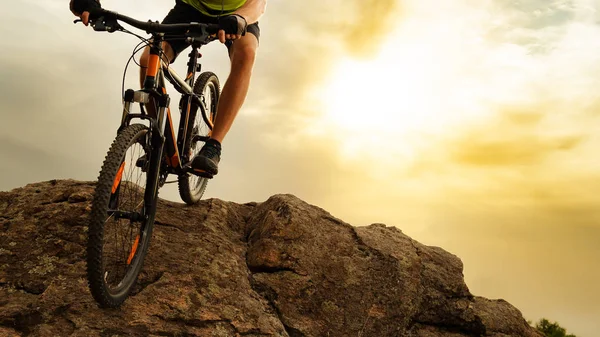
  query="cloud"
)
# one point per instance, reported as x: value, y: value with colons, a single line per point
x: 44, y: 165
x: 368, y: 24
x: 509, y: 140
x: 310, y: 37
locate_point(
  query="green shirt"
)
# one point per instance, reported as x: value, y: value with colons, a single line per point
x: 215, y: 7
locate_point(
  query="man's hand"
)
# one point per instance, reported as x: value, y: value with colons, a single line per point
x: 232, y: 27
x: 81, y: 9
x: 224, y: 36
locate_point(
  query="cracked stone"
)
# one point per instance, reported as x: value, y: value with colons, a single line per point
x: 276, y: 268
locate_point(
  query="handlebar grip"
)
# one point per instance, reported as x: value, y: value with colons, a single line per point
x: 213, y: 28
x: 97, y: 12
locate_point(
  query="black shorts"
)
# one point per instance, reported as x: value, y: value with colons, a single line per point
x: 184, y: 13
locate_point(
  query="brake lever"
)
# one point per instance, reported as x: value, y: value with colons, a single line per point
x: 101, y: 25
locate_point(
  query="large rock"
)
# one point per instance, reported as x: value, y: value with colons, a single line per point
x: 277, y: 268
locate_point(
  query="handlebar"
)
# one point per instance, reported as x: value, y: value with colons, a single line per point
x: 102, y: 18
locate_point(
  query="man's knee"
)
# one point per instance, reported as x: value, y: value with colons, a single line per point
x: 244, y: 54
x: 169, y: 53
x: 144, y: 57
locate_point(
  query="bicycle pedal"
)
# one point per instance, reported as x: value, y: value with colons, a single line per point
x: 142, y: 163
x: 200, y: 173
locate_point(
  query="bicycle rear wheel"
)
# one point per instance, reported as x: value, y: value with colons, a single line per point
x: 192, y: 187
x: 120, y: 224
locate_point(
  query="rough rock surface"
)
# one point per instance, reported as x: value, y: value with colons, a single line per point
x: 277, y: 268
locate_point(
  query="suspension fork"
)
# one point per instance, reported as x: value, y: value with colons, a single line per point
x: 157, y: 140
x: 157, y: 137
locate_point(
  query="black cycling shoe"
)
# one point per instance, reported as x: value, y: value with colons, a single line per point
x: 206, y: 162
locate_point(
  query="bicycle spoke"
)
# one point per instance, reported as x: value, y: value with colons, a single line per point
x: 124, y: 222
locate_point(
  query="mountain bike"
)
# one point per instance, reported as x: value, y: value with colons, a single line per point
x: 145, y: 153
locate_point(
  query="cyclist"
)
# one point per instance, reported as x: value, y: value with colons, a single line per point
x: 235, y: 17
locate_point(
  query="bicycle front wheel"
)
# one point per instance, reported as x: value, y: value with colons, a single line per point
x: 192, y: 187
x: 120, y: 223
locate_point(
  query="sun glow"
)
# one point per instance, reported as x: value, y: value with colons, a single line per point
x: 435, y: 74
x: 395, y: 101
x: 391, y: 94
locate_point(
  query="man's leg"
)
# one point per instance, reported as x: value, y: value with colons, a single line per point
x: 243, y: 53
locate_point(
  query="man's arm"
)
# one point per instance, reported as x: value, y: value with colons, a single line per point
x: 252, y: 10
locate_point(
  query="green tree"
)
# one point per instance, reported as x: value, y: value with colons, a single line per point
x: 551, y: 329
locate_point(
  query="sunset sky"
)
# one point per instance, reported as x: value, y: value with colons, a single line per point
x: 473, y: 125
